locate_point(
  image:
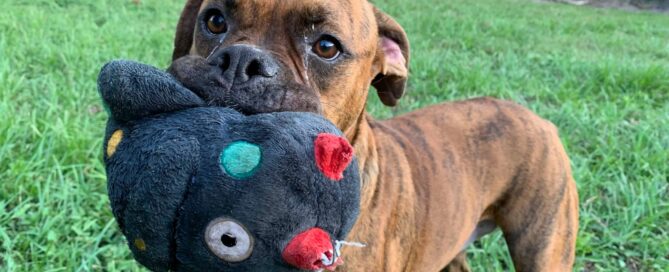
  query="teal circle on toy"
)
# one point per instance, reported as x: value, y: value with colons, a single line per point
x: 240, y: 159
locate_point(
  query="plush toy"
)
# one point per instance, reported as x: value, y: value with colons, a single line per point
x: 201, y: 188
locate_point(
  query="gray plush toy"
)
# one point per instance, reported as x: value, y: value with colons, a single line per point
x: 199, y: 188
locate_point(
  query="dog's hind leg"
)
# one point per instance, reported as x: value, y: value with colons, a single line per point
x: 458, y: 264
x: 539, y: 214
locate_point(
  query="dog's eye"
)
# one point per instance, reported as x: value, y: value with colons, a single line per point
x: 326, y: 47
x: 216, y: 22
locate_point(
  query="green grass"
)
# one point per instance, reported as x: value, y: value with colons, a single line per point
x: 602, y: 76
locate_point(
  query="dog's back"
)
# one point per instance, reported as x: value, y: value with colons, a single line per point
x: 454, y: 171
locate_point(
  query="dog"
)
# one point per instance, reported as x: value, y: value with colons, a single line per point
x: 433, y: 180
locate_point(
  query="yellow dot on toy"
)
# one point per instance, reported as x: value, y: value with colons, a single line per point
x: 139, y: 244
x: 114, y: 140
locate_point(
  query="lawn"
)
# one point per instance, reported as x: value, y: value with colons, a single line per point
x: 602, y: 76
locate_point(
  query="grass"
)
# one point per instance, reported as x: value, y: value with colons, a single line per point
x: 602, y: 76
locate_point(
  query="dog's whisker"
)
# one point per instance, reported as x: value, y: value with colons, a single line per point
x: 214, y: 50
x: 306, y: 60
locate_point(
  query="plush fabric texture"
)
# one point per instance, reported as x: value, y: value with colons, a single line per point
x: 175, y: 165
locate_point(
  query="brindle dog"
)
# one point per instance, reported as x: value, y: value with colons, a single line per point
x: 435, y: 179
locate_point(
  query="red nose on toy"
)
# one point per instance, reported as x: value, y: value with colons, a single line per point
x: 308, y: 249
x: 333, y: 155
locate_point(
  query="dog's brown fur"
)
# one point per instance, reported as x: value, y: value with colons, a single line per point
x: 432, y: 176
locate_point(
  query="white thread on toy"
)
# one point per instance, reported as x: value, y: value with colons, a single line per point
x: 326, y: 261
x: 338, y: 244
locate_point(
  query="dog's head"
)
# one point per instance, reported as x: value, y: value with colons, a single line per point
x: 270, y: 55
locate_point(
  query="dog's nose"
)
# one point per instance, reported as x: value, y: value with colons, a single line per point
x: 309, y: 250
x: 243, y: 63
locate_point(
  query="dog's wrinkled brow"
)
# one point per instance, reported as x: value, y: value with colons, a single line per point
x: 306, y: 15
x: 230, y: 4
x: 315, y: 15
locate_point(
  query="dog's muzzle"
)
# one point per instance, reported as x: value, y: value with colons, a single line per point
x: 244, y: 65
x: 245, y: 78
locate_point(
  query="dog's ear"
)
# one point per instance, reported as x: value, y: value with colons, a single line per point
x: 183, y: 40
x: 393, y: 57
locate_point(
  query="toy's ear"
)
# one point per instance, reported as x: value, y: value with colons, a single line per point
x: 148, y: 177
x: 333, y: 154
x: 393, y: 57
x: 132, y: 90
x: 183, y: 40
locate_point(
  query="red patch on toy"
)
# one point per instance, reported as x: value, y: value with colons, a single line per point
x: 333, y: 155
x: 307, y: 249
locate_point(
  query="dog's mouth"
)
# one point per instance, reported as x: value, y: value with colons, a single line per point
x: 261, y: 97
x: 245, y: 99
x: 210, y: 82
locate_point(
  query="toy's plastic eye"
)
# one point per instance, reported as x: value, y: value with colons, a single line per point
x: 240, y: 159
x: 229, y: 240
